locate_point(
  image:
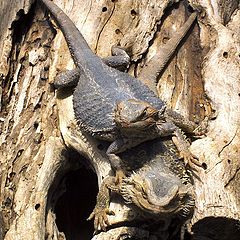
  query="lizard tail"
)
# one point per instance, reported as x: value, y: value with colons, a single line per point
x: 165, y: 52
x: 78, y: 47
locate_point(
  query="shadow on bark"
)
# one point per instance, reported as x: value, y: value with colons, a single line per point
x: 211, y: 228
x: 75, y: 196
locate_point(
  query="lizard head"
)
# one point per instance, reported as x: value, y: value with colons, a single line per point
x: 160, y: 194
x: 135, y: 114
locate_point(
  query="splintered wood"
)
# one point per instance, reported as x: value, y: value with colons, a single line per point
x: 38, y: 127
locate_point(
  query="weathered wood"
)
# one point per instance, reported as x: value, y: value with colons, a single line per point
x: 38, y: 127
x: 217, y: 190
x: 10, y: 11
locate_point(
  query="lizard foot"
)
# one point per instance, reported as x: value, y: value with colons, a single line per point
x: 190, y: 159
x: 100, y: 218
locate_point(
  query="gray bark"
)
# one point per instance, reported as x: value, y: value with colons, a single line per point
x: 38, y: 129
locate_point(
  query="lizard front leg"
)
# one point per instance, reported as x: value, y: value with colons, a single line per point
x: 169, y: 128
x: 114, y: 148
x: 185, y: 124
x: 183, y: 147
x: 101, y: 209
x: 116, y: 165
x: 121, y: 144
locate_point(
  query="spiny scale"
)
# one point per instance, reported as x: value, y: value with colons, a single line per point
x: 97, y: 82
x: 94, y: 106
x: 101, y: 87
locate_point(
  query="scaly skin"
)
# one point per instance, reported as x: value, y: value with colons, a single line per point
x: 105, y: 100
x: 151, y: 70
x: 157, y: 184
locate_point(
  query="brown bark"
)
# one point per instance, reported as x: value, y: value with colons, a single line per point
x: 38, y: 130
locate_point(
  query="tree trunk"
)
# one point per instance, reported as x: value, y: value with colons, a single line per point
x: 51, y: 171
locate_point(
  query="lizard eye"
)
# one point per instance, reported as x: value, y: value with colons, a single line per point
x: 144, y: 194
x: 138, y: 188
x: 143, y: 114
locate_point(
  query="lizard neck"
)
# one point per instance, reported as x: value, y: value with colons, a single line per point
x: 78, y: 47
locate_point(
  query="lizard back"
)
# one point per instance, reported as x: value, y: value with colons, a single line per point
x: 96, y: 96
x: 100, y: 87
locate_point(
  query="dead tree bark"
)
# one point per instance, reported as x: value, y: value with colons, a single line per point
x: 38, y: 131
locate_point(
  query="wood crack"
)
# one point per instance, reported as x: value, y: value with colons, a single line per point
x: 99, y: 35
x: 229, y: 142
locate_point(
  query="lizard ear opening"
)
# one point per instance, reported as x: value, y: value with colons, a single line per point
x: 75, y: 198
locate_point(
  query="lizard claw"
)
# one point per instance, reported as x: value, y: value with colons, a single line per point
x: 190, y: 159
x: 202, y: 128
x: 100, y: 218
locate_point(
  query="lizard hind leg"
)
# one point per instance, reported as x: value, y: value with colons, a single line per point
x: 68, y: 78
x: 119, y: 59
